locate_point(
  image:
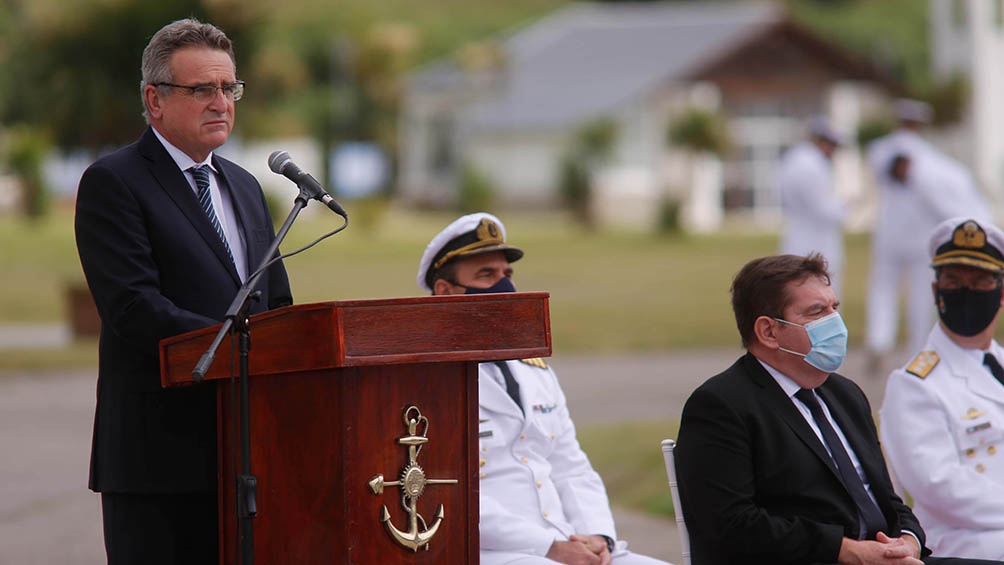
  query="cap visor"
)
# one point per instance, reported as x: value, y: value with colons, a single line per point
x: 967, y: 261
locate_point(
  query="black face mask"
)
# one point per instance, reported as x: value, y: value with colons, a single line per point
x: 503, y: 285
x: 967, y: 312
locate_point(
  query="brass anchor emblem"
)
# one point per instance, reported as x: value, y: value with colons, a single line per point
x: 412, y: 483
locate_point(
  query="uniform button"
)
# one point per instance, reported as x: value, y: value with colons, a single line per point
x: 545, y: 513
x: 539, y: 484
x: 553, y: 436
x: 481, y: 463
x: 525, y: 460
x: 522, y: 436
x: 483, y: 475
x: 484, y: 448
x: 992, y: 449
x: 980, y: 468
x: 970, y: 452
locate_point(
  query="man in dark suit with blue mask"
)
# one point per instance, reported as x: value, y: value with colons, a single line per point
x: 778, y: 459
x: 166, y: 232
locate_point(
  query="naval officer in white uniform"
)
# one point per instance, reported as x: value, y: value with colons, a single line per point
x: 541, y: 501
x: 942, y: 419
x: 813, y: 214
x: 919, y: 187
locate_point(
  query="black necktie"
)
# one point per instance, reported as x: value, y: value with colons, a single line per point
x: 873, y: 519
x: 511, y: 386
x: 990, y: 361
x: 201, y: 174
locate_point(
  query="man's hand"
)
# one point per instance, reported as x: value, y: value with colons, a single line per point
x: 596, y: 544
x: 907, y: 545
x: 580, y: 550
x: 902, y: 550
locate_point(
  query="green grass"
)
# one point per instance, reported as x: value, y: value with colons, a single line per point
x: 610, y: 292
x: 629, y: 458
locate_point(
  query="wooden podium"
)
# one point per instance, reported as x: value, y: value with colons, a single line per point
x: 364, y: 421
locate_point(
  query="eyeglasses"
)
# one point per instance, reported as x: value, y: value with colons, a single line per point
x: 980, y: 281
x: 206, y: 93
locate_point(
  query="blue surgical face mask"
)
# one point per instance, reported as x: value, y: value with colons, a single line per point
x: 828, y: 336
x: 503, y: 285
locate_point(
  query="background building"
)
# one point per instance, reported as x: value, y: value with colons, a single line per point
x: 967, y: 38
x: 511, y: 109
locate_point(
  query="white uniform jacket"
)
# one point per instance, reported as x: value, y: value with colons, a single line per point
x: 537, y: 485
x: 942, y: 426
x: 938, y: 188
x: 813, y: 215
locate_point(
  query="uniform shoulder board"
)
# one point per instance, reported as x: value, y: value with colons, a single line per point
x: 922, y: 365
x: 535, y: 362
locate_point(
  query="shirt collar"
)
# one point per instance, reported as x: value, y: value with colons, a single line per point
x: 974, y: 354
x: 181, y: 159
x: 789, y: 386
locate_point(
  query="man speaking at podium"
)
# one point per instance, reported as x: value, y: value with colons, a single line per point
x: 541, y: 501
x: 166, y: 232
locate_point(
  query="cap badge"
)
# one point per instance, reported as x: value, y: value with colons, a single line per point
x: 969, y: 236
x: 488, y: 231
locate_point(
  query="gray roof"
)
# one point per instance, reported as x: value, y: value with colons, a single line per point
x: 585, y: 60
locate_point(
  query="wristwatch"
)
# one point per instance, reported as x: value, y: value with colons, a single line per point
x: 611, y: 544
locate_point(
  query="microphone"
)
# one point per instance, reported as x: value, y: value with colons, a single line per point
x: 281, y: 163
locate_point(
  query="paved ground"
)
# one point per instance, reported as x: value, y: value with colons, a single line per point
x: 48, y: 516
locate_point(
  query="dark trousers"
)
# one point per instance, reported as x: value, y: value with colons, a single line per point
x: 160, y: 529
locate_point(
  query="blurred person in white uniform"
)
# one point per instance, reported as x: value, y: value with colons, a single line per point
x: 541, y: 501
x: 942, y: 419
x: 919, y: 187
x: 813, y: 214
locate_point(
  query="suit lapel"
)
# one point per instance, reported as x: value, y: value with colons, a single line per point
x: 779, y: 403
x: 864, y: 451
x: 493, y: 396
x: 853, y: 432
x: 977, y: 377
x: 172, y: 180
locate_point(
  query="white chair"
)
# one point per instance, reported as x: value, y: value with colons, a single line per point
x: 667, y: 455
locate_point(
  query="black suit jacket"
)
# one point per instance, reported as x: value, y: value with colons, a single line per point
x: 756, y: 483
x: 157, y: 268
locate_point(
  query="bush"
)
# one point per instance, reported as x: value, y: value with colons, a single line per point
x: 475, y: 192
x: 873, y: 129
x: 669, y: 217
x: 700, y: 130
x: 590, y: 147
x: 575, y: 186
x: 26, y: 152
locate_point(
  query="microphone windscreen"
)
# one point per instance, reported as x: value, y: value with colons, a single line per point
x: 277, y: 161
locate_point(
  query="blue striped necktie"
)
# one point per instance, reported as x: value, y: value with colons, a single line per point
x: 201, y: 174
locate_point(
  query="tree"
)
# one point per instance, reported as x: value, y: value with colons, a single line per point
x: 77, y: 74
x: 701, y: 133
x: 591, y: 145
x: 26, y: 150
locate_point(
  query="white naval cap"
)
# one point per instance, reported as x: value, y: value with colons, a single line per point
x: 468, y: 235
x: 820, y: 126
x: 963, y: 241
x: 908, y: 110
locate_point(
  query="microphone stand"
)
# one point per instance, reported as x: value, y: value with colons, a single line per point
x: 237, y: 322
